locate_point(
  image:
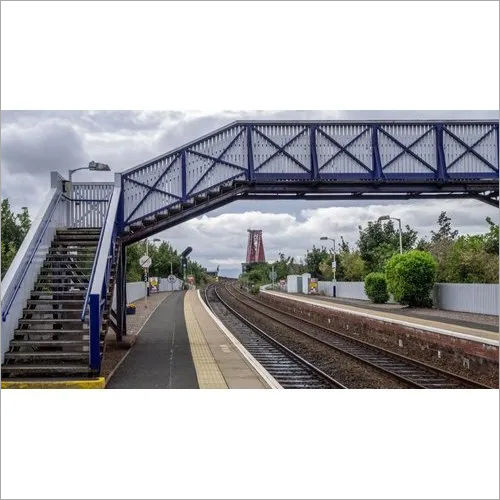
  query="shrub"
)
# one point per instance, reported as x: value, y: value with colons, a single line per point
x: 376, y: 288
x: 411, y: 276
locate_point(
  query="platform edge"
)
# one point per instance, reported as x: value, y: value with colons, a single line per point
x: 264, y: 374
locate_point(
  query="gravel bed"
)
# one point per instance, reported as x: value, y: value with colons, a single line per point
x: 348, y: 371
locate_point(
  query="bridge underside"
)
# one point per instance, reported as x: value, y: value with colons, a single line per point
x: 486, y: 192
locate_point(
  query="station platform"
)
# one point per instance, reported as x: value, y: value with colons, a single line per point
x: 182, y: 345
x: 484, y: 336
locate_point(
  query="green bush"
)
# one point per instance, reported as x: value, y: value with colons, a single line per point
x: 411, y: 276
x: 376, y: 288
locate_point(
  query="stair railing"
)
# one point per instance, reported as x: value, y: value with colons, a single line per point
x: 24, y: 269
x: 96, y: 297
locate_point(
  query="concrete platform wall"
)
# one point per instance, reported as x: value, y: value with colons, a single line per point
x: 466, y: 357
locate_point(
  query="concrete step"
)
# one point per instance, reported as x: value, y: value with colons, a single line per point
x: 35, y: 321
x: 37, y: 312
x: 77, y: 236
x: 68, y: 264
x: 51, y: 284
x: 82, y: 369
x: 73, y: 243
x: 50, y: 343
x: 76, y: 293
x: 35, y: 302
x: 47, y: 355
x: 50, y: 331
x: 76, y: 230
x: 65, y: 276
x: 73, y: 274
x: 72, y: 252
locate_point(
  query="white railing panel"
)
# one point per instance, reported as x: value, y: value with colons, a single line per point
x: 23, y: 272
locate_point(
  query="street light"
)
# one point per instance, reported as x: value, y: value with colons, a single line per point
x: 94, y: 166
x: 388, y: 217
x: 334, y: 263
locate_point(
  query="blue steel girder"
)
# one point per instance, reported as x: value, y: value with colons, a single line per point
x: 323, y: 153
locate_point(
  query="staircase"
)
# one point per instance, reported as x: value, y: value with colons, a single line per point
x: 51, y: 340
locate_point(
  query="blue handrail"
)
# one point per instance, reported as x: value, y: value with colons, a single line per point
x: 10, y: 300
x: 97, y: 291
x: 94, y: 264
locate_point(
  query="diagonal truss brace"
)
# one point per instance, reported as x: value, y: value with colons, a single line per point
x: 470, y: 149
x: 343, y: 149
x: 281, y: 149
x: 217, y: 160
x: 407, y: 149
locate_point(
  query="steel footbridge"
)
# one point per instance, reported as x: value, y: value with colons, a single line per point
x: 56, y: 326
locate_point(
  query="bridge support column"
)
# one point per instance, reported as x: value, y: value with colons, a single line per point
x: 121, y: 293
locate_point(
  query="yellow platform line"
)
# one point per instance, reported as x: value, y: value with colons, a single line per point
x: 95, y: 383
x: 207, y: 371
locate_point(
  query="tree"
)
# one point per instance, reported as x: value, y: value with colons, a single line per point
x: 444, y: 232
x: 411, y: 276
x: 378, y: 242
x: 376, y: 288
x: 313, y: 260
x: 352, y: 266
x: 162, y: 257
x: 491, y: 238
x: 468, y: 261
x: 14, y: 229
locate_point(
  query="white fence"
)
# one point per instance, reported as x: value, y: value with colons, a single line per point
x: 170, y: 286
x: 463, y: 297
x: 467, y: 297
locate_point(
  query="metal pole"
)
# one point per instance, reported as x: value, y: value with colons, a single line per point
x: 146, y: 275
x: 400, y: 238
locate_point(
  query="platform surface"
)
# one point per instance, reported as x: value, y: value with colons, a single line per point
x: 460, y: 331
x: 182, y: 346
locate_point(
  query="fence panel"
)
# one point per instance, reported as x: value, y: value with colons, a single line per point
x: 467, y: 297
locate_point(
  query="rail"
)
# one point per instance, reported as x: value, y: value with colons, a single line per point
x: 97, y: 298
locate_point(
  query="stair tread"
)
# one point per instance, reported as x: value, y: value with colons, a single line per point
x: 43, y: 343
x: 46, y: 354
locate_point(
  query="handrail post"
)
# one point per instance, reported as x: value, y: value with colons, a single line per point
x: 95, y: 333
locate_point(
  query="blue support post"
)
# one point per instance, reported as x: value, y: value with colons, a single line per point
x: 441, y: 172
x: 95, y: 333
x: 314, y: 154
x: 250, y: 174
x: 183, y: 174
x: 378, y: 173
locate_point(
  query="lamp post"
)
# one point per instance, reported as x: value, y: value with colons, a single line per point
x: 334, y: 264
x: 94, y: 166
x: 388, y: 217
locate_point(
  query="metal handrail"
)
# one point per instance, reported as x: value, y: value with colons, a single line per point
x: 96, y: 292
x: 10, y: 301
x: 96, y: 256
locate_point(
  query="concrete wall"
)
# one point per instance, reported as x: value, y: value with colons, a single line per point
x: 463, y: 297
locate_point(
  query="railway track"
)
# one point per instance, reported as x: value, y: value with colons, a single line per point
x: 414, y: 373
x: 289, y: 369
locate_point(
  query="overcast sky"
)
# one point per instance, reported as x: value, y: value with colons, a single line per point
x: 36, y: 142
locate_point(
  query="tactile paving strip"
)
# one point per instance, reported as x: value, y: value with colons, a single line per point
x: 207, y: 371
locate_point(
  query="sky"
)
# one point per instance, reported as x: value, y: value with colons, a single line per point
x: 37, y: 142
